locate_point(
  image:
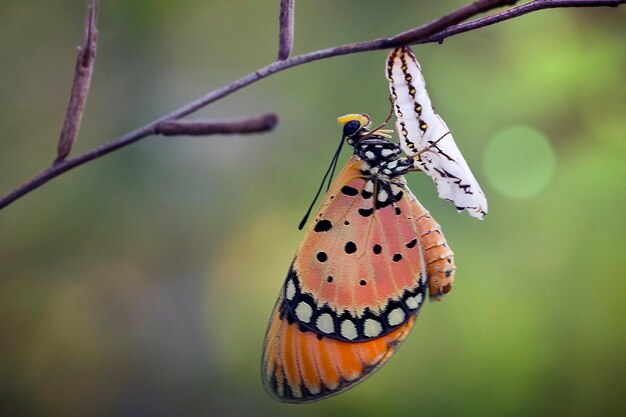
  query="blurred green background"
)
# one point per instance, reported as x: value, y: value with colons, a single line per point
x: 140, y: 284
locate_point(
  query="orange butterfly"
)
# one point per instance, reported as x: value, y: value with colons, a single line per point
x: 359, y: 277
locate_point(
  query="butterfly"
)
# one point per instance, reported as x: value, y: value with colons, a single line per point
x: 418, y: 127
x: 360, y: 275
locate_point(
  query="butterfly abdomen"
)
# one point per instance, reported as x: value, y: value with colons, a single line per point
x: 438, y: 256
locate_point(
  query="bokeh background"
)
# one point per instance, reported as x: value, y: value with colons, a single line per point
x: 140, y: 284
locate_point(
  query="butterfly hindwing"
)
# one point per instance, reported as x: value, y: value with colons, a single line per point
x: 300, y: 366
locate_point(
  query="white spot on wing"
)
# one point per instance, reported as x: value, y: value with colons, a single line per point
x: 372, y: 328
x: 395, y: 316
x: 386, y: 152
x: 414, y: 302
x: 290, y: 292
x: 304, y: 312
x: 348, y: 330
x: 325, y: 323
x: 382, y: 196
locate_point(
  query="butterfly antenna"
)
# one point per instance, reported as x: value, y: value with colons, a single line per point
x: 331, y: 171
x: 334, y: 162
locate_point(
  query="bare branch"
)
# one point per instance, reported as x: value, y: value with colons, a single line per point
x: 459, y: 15
x: 431, y: 32
x: 80, y: 86
x: 516, y: 12
x: 253, y: 124
x: 285, y: 41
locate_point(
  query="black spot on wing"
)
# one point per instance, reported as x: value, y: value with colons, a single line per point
x: 366, y: 212
x: 350, y: 247
x: 323, y: 226
x: 411, y: 244
x: 351, y: 191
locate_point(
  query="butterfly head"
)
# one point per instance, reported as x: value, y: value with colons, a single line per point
x: 354, y: 123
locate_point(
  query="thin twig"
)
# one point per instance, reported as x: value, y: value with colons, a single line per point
x: 425, y: 36
x: 520, y: 10
x: 459, y: 15
x: 285, y: 34
x: 80, y: 86
x: 252, y: 124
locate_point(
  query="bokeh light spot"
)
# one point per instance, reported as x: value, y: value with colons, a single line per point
x: 519, y: 162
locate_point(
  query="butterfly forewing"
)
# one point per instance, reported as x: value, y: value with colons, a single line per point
x: 356, y: 275
x: 419, y: 128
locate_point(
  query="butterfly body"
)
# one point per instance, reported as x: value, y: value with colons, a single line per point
x: 358, y: 279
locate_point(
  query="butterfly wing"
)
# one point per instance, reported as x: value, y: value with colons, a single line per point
x: 300, y: 366
x: 354, y: 289
x: 419, y: 127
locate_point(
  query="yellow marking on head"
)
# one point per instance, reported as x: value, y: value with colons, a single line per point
x: 362, y: 118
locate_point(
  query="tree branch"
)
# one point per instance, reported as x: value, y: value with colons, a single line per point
x: 80, y: 86
x: 465, y: 12
x: 434, y: 31
x: 518, y: 11
x: 286, y: 22
x: 252, y: 124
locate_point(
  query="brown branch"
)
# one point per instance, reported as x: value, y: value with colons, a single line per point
x: 518, y: 11
x: 432, y: 32
x: 286, y: 22
x: 477, y: 7
x: 80, y: 86
x: 253, y: 124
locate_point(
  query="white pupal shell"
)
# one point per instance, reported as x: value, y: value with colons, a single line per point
x: 422, y: 132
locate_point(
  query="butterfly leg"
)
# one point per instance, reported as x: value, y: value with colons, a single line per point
x: 432, y: 145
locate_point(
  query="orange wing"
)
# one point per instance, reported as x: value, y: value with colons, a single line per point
x: 301, y: 366
x: 359, y: 272
x: 355, y: 287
